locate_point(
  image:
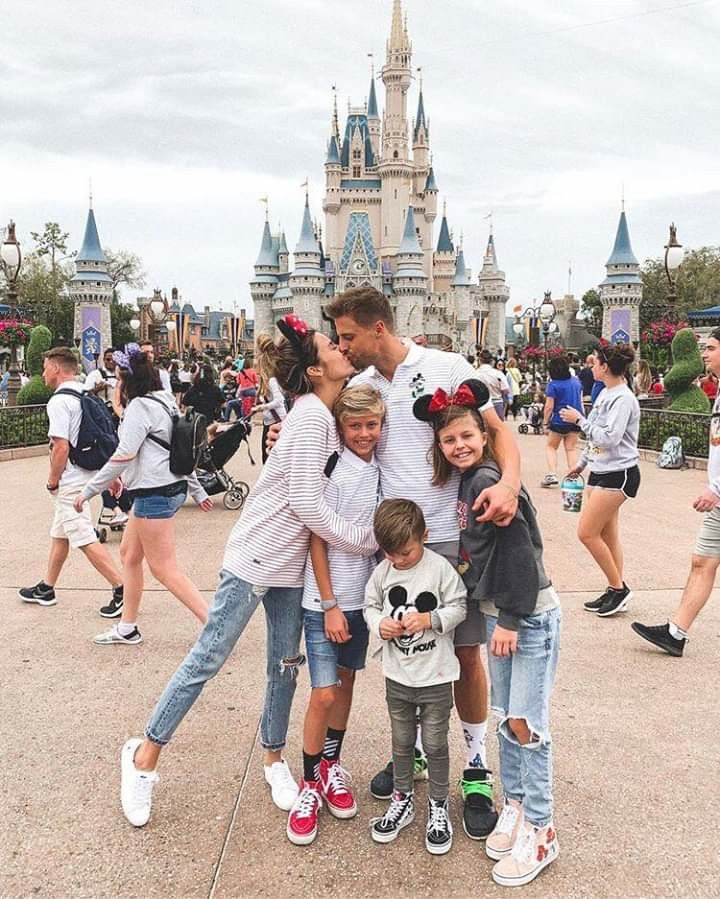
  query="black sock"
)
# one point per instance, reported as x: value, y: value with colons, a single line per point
x: 118, y: 591
x: 333, y: 744
x: 311, y: 765
x: 45, y: 587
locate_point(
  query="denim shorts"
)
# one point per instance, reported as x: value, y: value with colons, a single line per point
x: 325, y: 657
x: 158, y: 506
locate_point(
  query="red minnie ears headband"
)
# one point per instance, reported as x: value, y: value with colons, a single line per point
x: 295, y: 329
x: 472, y: 393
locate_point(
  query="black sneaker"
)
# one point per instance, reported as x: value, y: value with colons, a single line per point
x: 381, y: 786
x: 616, y: 601
x: 479, y: 815
x: 115, y: 606
x: 400, y: 813
x: 41, y: 593
x: 660, y: 636
x: 594, y: 605
x: 438, y: 832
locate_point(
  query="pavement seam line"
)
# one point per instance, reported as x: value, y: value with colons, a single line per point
x: 233, y: 817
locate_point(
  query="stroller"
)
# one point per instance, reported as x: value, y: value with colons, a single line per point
x: 215, y: 455
x: 533, y: 419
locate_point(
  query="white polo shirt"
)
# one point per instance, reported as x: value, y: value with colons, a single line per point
x: 352, y: 492
x: 403, y: 449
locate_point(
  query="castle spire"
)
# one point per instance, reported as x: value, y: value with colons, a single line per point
x: 91, y: 250
x: 396, y: 30
x: 445, y: 244
x: 622, y: 253
x: 420, y: 120
x: 410, y: 245
x: 372, y: 110
x: 308, y: 241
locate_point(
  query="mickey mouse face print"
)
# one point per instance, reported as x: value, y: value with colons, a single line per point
x: 398, y: 598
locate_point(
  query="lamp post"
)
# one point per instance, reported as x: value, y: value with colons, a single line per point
x: 135, y: 324
x: 673, y: 259
x: 157, y: 313
x: 11, y: 259
x: 171, y: 326
x: 547, y: 314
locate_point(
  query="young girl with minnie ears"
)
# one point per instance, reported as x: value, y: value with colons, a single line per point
x: 264, y: 562
x: 503, y: 571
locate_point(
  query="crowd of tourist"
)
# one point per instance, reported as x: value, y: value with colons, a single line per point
x: 390, y: 508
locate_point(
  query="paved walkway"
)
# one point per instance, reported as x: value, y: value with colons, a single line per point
x: 635, y: 734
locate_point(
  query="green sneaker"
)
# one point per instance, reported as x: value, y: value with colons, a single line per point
x: 381, y: 786
x: 479, y: 815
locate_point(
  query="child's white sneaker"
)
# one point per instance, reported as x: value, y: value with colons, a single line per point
x: 502, y: 839
x: 535, y: 848
x: 283, y: 787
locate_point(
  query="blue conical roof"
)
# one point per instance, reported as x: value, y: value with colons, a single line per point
x: 91, y: 251
x: 461, y: 276
x: 622, y: 253
x: 420, y: 117
x: 283, y: 247
x: 445, y: 245
x: 308, y: 242
x: 410, y: 245
x: 372, y: 109
x: 333, y: 151
x: 431, y: 183
x: 266, y: 256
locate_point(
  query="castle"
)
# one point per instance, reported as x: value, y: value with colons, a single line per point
x: 380, y: 205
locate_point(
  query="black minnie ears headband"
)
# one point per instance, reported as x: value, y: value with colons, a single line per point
x: 294, y: 329
x: 472, y: 393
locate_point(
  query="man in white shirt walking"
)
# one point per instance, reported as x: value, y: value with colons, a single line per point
x: 65, y: 482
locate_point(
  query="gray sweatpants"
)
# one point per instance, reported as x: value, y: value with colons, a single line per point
x: 432, y: 705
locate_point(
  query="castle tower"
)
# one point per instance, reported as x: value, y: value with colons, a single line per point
x: 374, y: 126
x: 443, y: 258
x: 283, y: 254
x: 92, y: 292
x: 395, y: 168
x: 461, y: 292
x: 410, y: 281
x: 264, y: 283
x: 496, y: 294
x: 621, y: 291
x: 307, y: 281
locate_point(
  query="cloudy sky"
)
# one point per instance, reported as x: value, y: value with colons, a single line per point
x: 185, y: 113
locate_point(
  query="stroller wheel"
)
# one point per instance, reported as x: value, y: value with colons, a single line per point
x: 243, y: 488
x: 523, y: 429
x: 233, y: 500
x: 102, y: 534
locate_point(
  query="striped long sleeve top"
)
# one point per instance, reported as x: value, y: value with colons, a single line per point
x: 269, y: 544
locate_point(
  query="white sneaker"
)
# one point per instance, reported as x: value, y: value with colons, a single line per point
x: 119, y: 519
x: 107, y: 638
x: 283, y: 788
x: 135, y: 786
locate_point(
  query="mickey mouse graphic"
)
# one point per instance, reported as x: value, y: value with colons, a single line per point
x: 398, y: 598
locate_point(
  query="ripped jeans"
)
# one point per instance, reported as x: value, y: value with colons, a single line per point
x: 235, y: 602
x: 521, y: 686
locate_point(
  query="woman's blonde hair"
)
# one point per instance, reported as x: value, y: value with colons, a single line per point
x: 355, y: 402
x: 281, y: 360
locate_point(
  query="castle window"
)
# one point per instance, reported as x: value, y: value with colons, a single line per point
x: 356, y: 154
x: 395, y: 154
x: 356, y: 171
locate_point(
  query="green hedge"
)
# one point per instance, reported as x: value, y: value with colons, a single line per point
x: 23, y: 426
x: 656, y: 425
x: 34, y: 393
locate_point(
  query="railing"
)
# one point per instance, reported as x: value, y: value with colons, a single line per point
x: 693, y: 428
x: 23, y: 426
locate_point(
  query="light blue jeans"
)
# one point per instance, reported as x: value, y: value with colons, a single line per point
x: 235, y: 602
x: 521, y: 686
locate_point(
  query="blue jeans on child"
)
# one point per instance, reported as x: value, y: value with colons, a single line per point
x: 521, y: 686
x: 235, y: 602
x: 325, y: 657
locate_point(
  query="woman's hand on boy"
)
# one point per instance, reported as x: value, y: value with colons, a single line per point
x: 504, y: 641
x: 390, y: 628
x: 415, y: 622
x: 336, y: 626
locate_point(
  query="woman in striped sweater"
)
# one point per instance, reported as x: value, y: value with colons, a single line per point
x: 264, y: 561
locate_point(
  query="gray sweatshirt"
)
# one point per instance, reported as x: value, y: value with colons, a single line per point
x: 148, y: 463
x: 612, y: 430
x: 433, y: 585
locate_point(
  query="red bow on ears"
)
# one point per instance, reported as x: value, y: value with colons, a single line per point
x: 463, y: 396
x: 297, y: 324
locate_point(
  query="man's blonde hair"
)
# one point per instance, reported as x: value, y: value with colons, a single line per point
x: 355, y: 402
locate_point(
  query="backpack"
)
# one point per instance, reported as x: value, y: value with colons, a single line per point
x: 188, y: 437
x: 672, y: 455
x: 97, y: 438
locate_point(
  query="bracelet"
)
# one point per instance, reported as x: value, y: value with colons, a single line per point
x: 515, y: 494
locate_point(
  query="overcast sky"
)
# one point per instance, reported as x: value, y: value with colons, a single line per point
x: 185, y: 113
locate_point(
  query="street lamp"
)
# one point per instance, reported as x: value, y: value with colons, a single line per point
x: 673, y: 259
x: 547, y: 314
x: 11, y: 259
x: 135, y: 324
x: 171, y: 326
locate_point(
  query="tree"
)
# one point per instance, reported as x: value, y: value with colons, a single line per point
x: 687, y: 366
x: 591, y: 311
x: 124, y: 268
x: 698, y: 285
x: 120, y: 316
x: 43, y: 296
x: 53, y: 243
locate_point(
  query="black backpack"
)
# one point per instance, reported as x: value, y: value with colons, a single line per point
x: 97, y: 438
x: 189, y: 435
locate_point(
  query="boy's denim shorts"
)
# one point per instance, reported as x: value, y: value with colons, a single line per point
x: 325, y: 657
x: 157, y: 506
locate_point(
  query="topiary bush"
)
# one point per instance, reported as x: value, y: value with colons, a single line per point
x: 40, y: 343
x: 687, y: 366
x: 34, y: 393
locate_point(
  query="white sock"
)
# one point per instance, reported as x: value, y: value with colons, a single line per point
x: 126, y: 628
x: 475, y: 740
x: 418, y: 737
x: 676, y: 631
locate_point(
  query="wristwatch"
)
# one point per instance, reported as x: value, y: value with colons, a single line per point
x: 327, y: 604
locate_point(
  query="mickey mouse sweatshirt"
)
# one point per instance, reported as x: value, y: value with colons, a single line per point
x: 433, y: 585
